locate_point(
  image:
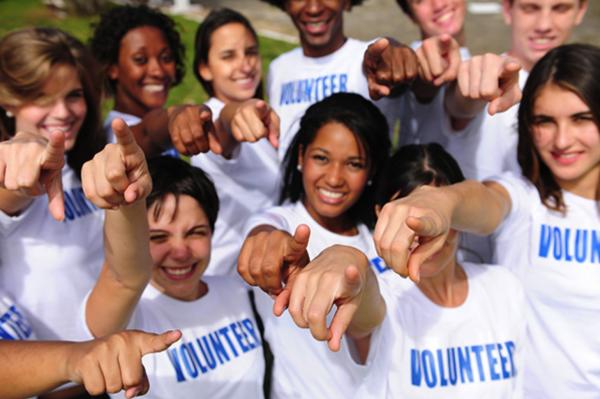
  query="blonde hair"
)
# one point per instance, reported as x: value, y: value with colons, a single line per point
x: 27, y: 59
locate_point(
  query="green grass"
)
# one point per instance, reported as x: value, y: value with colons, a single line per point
x: 15, y: 14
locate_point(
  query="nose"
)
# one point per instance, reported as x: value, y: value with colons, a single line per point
x: 544, y: 21
x: 335, y: 175
x: 180, y: 250
x: 438, y: 4
x: 60, y: 109
x: 313, y: 6
x: 563, y: 137
x: 155, y: 68
x: 248, y: 63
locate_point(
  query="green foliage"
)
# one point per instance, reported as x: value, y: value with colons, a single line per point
x: 15, y: 14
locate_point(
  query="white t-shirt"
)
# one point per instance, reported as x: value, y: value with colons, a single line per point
x: 557, y: 257
x: 296, y: 81
x: 305, y: 367
x: 220, y: 353
x: 471, y: 351
x: 246, y: 184
x: 48, y: 266
x: 422, y: 123
x: 14, y: 325
x: 130, y: 120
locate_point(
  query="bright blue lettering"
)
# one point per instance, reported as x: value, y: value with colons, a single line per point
x: 196, y: 359
x: 415, y: 367
x: 464, y: 363
x: 379, y: 265
x: 332, y: 86
x: 219, y: 348
x: 545, y: 240
x: 188, y: 362
x: 503, y: 361
x: 239, y: 337
x: 78, y: 211
x: 210, y: 359
x: 452, y: 375
x: 557, y: 247
x: 428, y: 364
x: 284, y: 94
x: 477, y: 349
x: 443, y: 380
x: 581, y: 237
x: 172, y: 353
x: 225, y: 333
x: 568, y: 256
x: 343, y: 80
x: 249, y: 344
x: 81, y: 201
x: 250, y: 327
x: 510, y: 346
x: 325, y: 87
x: 492, y: 361
x: 317, y: 85
x: 308, y: 88
x: 69, y: 212
x: 595, y: 246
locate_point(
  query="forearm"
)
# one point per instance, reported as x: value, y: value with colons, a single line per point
x: 126, y: 244
x: 152, y: 133
x: 477, y: 208
x: 31, y: 368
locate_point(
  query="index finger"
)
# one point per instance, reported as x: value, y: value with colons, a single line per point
x: 124, y: 135
x: 373, y: 54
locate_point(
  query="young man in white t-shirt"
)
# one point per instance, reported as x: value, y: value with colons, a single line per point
x: 327, y: 62
x: 484, y: 143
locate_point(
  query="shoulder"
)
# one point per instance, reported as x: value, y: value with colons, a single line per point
x: 496, y: 281
x: 286, y: 58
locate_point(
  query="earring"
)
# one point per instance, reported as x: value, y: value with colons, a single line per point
x: 9, y: 114
x: 369, y: 182
x: 299, y: 168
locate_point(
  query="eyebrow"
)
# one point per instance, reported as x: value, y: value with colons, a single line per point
x: 327, y: 152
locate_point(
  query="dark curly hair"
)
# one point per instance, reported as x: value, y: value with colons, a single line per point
x: 281, y: 3
x: 370, y: 128
x: 114, y: 25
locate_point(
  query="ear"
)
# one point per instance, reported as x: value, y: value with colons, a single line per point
x: 348, y: 5
x: 583, y: 6
x: 377, y: 210
x: 113, y: 72
x: 507, y: 11
x: 301, y: 156
x: 205, y: 72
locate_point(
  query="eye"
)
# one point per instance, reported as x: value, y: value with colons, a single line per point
x: 75, y: 94
x: 356, y: 165
x: 158, y: 238
x: 541, y: 120
x: 528, y: 8
x: 167, y: 58
x: 319, y: 158
x: 202, y: 231
x: 252, y: 51
x: 139, y: 59
x: 562, y: 8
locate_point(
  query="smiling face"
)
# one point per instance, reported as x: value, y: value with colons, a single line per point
x: 320, y: 24
x: 61, y: 106
x: 435, y: 17
x: 335, y: 171
x: 538, y: 26
x: 567, y: 139
x: 180, y: 244
x: 234, y: 65
x: 144, y: 72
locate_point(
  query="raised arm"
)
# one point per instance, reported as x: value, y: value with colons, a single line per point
x: 108, y: 364
x: 117, y: 179
x: 428, y: 213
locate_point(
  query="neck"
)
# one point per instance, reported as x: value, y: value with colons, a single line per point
x: 449, y: 288
x: 525, y: 65
x: 587, y: 186
x: 127, y: 105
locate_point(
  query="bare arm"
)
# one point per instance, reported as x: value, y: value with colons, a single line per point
x: 117, y: 179
x: 102, y: 365
x: 428, y: 213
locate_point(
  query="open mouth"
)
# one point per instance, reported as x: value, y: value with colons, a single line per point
x: 178, y: 273
x: 330, y: 197
x: 155, y: 88
x: 566, y: 158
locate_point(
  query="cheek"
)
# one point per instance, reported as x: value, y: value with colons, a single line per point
x: 158, y: 252
x: 202, y: 248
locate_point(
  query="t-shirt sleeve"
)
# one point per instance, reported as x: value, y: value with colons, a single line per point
x: 520, y: 193
x: 272, y: 217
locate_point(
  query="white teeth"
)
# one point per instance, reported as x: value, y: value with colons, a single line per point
x: 180, y: 271
x: 154, y: 88
x: 330, y: 194
x: 62, y: 128
x: 315, y: 25
x: 445, y: 17
x: 541, y: 40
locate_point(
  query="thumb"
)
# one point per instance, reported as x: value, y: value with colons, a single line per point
x: 214, y: 144
x: 423, y: 226
x: 151, y: 343
x: 124, y: 136
x: 53, y: 161
x: 375, y: 51
x: 510, y: 70
x: 300, y: 239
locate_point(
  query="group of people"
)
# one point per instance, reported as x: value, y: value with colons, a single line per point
x: 293, y: 252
